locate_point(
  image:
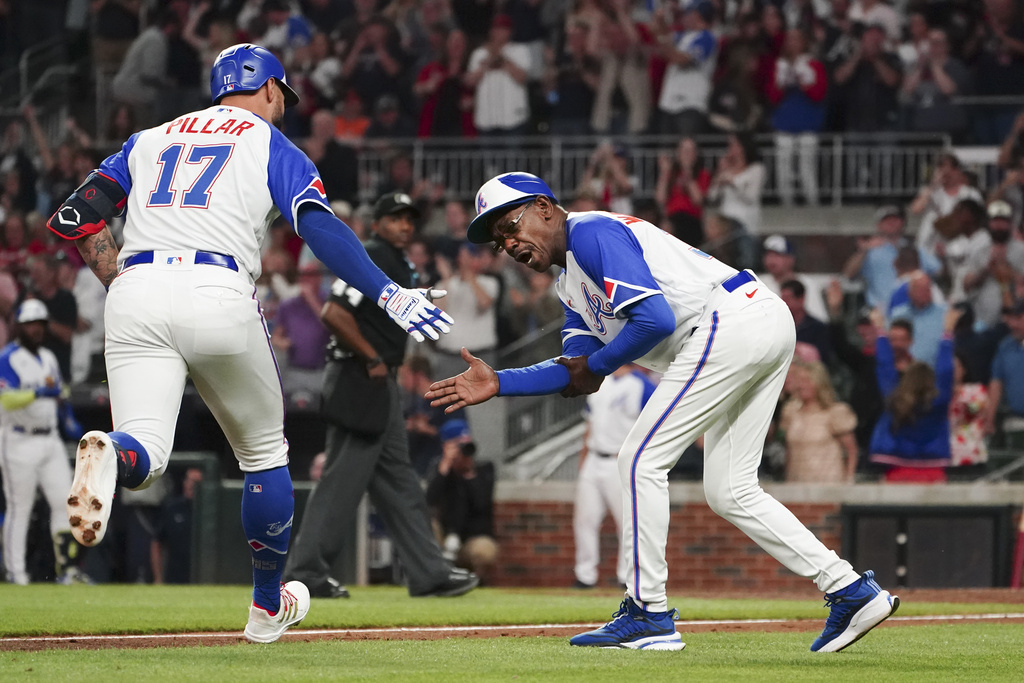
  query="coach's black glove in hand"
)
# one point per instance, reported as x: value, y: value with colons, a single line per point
x: 582, y: 380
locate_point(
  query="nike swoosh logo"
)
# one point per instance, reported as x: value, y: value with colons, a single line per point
x: 751, y: 295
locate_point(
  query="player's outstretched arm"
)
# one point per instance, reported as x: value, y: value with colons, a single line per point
x: 100, y: 254
x: 476, y: 385
x: 336, y: 245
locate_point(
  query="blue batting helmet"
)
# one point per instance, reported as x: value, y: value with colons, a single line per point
x: 501, y: 193
x: 246, y: 68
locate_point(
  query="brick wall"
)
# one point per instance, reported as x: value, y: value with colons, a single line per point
x: 704, y: 551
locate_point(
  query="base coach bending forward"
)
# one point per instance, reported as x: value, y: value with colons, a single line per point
x: 724, y: 342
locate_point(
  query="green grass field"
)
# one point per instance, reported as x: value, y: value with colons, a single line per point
x: 974, y: 651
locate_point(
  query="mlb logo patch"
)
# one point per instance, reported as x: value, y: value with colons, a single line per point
x: 255, y: 488
x: 174, y: 260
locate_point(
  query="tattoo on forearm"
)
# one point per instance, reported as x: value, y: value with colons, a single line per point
x: 100, y: 254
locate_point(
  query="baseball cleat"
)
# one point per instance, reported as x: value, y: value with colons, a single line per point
x: 264, y: 628
x: 459, y: 582
x: 92, y: 490
x: 635, y: 628
x: 856, y: 609
x: 329, y: 589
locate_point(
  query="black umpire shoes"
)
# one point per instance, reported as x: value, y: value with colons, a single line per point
x: 328, y: 589
x: 459, y: 582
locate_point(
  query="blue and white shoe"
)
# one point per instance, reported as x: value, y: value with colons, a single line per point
x: 636, y: 629
x: 856, y: 609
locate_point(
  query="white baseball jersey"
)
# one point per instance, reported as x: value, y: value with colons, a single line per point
x: 614, y: 408
x: 213, y: 180
x: 723, y: 369
x: 613, y: 261
x: 22, y: 369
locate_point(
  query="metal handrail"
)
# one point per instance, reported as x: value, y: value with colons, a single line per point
x: 29, y: 58
x: 529, y: 339
x: 855, y: 166
x: 1002, y: 473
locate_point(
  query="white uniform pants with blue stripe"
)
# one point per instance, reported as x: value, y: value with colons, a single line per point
x: 173, y: 319
x: 724, y: 384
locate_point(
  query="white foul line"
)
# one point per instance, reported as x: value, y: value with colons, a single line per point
x: 470, y: 629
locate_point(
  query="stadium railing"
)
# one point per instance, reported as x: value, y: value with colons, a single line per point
x: 880, y: 166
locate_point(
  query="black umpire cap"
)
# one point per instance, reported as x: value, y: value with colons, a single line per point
x: 392, y: 203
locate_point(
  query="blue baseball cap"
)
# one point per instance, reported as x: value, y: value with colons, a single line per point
x: 501, y: 193
x: 454, y: 429
x: 702, y: 7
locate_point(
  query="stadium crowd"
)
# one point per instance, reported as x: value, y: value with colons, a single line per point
x: 921, y: 332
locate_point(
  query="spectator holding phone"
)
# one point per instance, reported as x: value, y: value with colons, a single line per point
x: 461, y: 496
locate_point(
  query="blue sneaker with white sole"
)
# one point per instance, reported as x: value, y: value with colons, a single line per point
x: 634, y: 628
x: 856, y: 609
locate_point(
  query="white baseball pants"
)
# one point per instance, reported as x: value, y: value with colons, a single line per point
x: 805, y: 147
x: 724, y: 384
x: 167, y: 322
x: 598, y: 490
x: 30, y: 462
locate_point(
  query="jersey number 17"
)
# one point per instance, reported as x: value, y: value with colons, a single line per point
x: 215, y: 157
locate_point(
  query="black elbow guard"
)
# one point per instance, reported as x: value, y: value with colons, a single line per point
x: 88, y: 209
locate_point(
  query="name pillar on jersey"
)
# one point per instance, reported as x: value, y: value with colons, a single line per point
x: 190, y: 124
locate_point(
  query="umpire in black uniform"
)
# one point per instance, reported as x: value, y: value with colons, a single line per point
x: 367, y: 446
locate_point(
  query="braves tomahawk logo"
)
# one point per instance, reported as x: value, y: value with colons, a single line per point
x: 598, y: 309
x: 277, y: 528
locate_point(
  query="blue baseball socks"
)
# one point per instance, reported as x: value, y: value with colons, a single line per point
x: 132, y: 460
x: 268, y: 501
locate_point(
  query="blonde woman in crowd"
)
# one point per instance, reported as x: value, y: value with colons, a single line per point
x: 820, y: 446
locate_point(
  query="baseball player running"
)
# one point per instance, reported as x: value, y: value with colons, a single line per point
x: 32, y: 454
x: 723, y: 342
x: 200, y: 193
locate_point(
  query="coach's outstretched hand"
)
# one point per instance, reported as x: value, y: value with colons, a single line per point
x: 413, y: 311
x: 475, y: 385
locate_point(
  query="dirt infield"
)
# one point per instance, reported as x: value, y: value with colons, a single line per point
x: 85, y: 642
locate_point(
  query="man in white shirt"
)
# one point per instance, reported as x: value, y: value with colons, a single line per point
x: 498, y: 71
x: 949, y: 185
x: 780, y: 265
x: 691, y: 57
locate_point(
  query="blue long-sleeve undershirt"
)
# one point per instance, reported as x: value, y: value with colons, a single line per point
x: 650, y: 320
x: 339, y: 249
